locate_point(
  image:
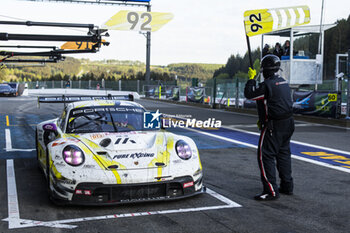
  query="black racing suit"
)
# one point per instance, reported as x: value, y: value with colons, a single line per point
x: 275, y: 109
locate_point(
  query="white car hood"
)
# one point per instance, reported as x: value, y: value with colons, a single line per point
x: 134, y: 150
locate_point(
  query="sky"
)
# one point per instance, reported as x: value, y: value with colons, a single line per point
x: 202, y: 31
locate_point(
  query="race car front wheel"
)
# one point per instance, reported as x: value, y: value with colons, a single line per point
x: 37, y: 149
x: 48, y: 183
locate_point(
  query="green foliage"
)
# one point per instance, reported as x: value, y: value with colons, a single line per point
x: 194, y: 70
x: 51, y: 71
x: 238, y: 65
x: 110, y: 70
x: 242, y: 75
x: 256, y: 66
x: 223, y: 76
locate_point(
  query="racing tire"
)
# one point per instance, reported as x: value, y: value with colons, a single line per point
x: 36, y: 145
x: 37, y: 149
x: 50, y: 194
x: 37, y: 152
x: 48, y: 181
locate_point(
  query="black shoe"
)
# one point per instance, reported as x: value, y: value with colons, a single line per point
x: 283, y: 191
x: 266, y: 197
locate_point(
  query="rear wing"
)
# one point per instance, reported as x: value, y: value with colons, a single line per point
x: 69, y: 99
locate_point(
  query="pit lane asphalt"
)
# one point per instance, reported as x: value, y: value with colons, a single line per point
x: 320, y: 203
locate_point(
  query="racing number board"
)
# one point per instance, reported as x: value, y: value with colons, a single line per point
x: 138, y: 21
x: 262, y: 21
x: 71, y: 45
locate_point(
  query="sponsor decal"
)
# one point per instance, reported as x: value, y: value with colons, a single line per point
x: 134, y: 156
x: 63, y: 141
x: 151, y: 120
x: 124, y: 134
x: 88, y: 166
x: 124, y: 141
x: 68, y: 181
x: 72, y: 140
x: 78, y: 191
x: 58, y: 143
x: 49, y: 126
x: 87, y: 192
x: 60, y: 164
x: 97, y: 136
x: 188, y: 184
x: 99, y: 109
x: 121, y: 124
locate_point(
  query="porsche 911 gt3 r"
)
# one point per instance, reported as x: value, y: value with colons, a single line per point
x: 99, y: 152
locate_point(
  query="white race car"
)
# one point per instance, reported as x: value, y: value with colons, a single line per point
x: 99, y: 152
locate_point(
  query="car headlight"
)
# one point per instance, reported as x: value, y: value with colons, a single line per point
x: 73, y: 155
x: 183, y: 150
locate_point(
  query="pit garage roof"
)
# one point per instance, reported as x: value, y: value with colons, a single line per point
x: 301, y: 30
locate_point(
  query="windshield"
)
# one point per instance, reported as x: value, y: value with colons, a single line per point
x: 105, y: 119
x: 13, y: 85
x: 4, y: 87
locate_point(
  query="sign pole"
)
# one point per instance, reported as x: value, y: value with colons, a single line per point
x: 148, y: 51
x: 348, y: 92
x: 249, y: 52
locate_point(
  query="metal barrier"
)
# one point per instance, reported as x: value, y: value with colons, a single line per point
x: 224, y: 93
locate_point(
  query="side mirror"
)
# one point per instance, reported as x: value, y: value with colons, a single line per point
x: 49, y: 130
x: 50, y: 127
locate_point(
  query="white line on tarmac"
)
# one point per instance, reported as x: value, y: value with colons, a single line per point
x: 23, y: 223
x: 293, y: 141
x: 8, y: 139
x: 13, y: 208
x: 343, y: 169
x: 12, y: 199
x: 15, y: 221
x: 254, y: 125
x: 22, y: 150
x: 229, y: 204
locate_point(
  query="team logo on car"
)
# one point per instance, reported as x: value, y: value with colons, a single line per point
x: 126, y: 140
x: 151, y: 120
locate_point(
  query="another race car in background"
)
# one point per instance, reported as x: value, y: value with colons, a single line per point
x: 6, y: 89
x: 98, y: 152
